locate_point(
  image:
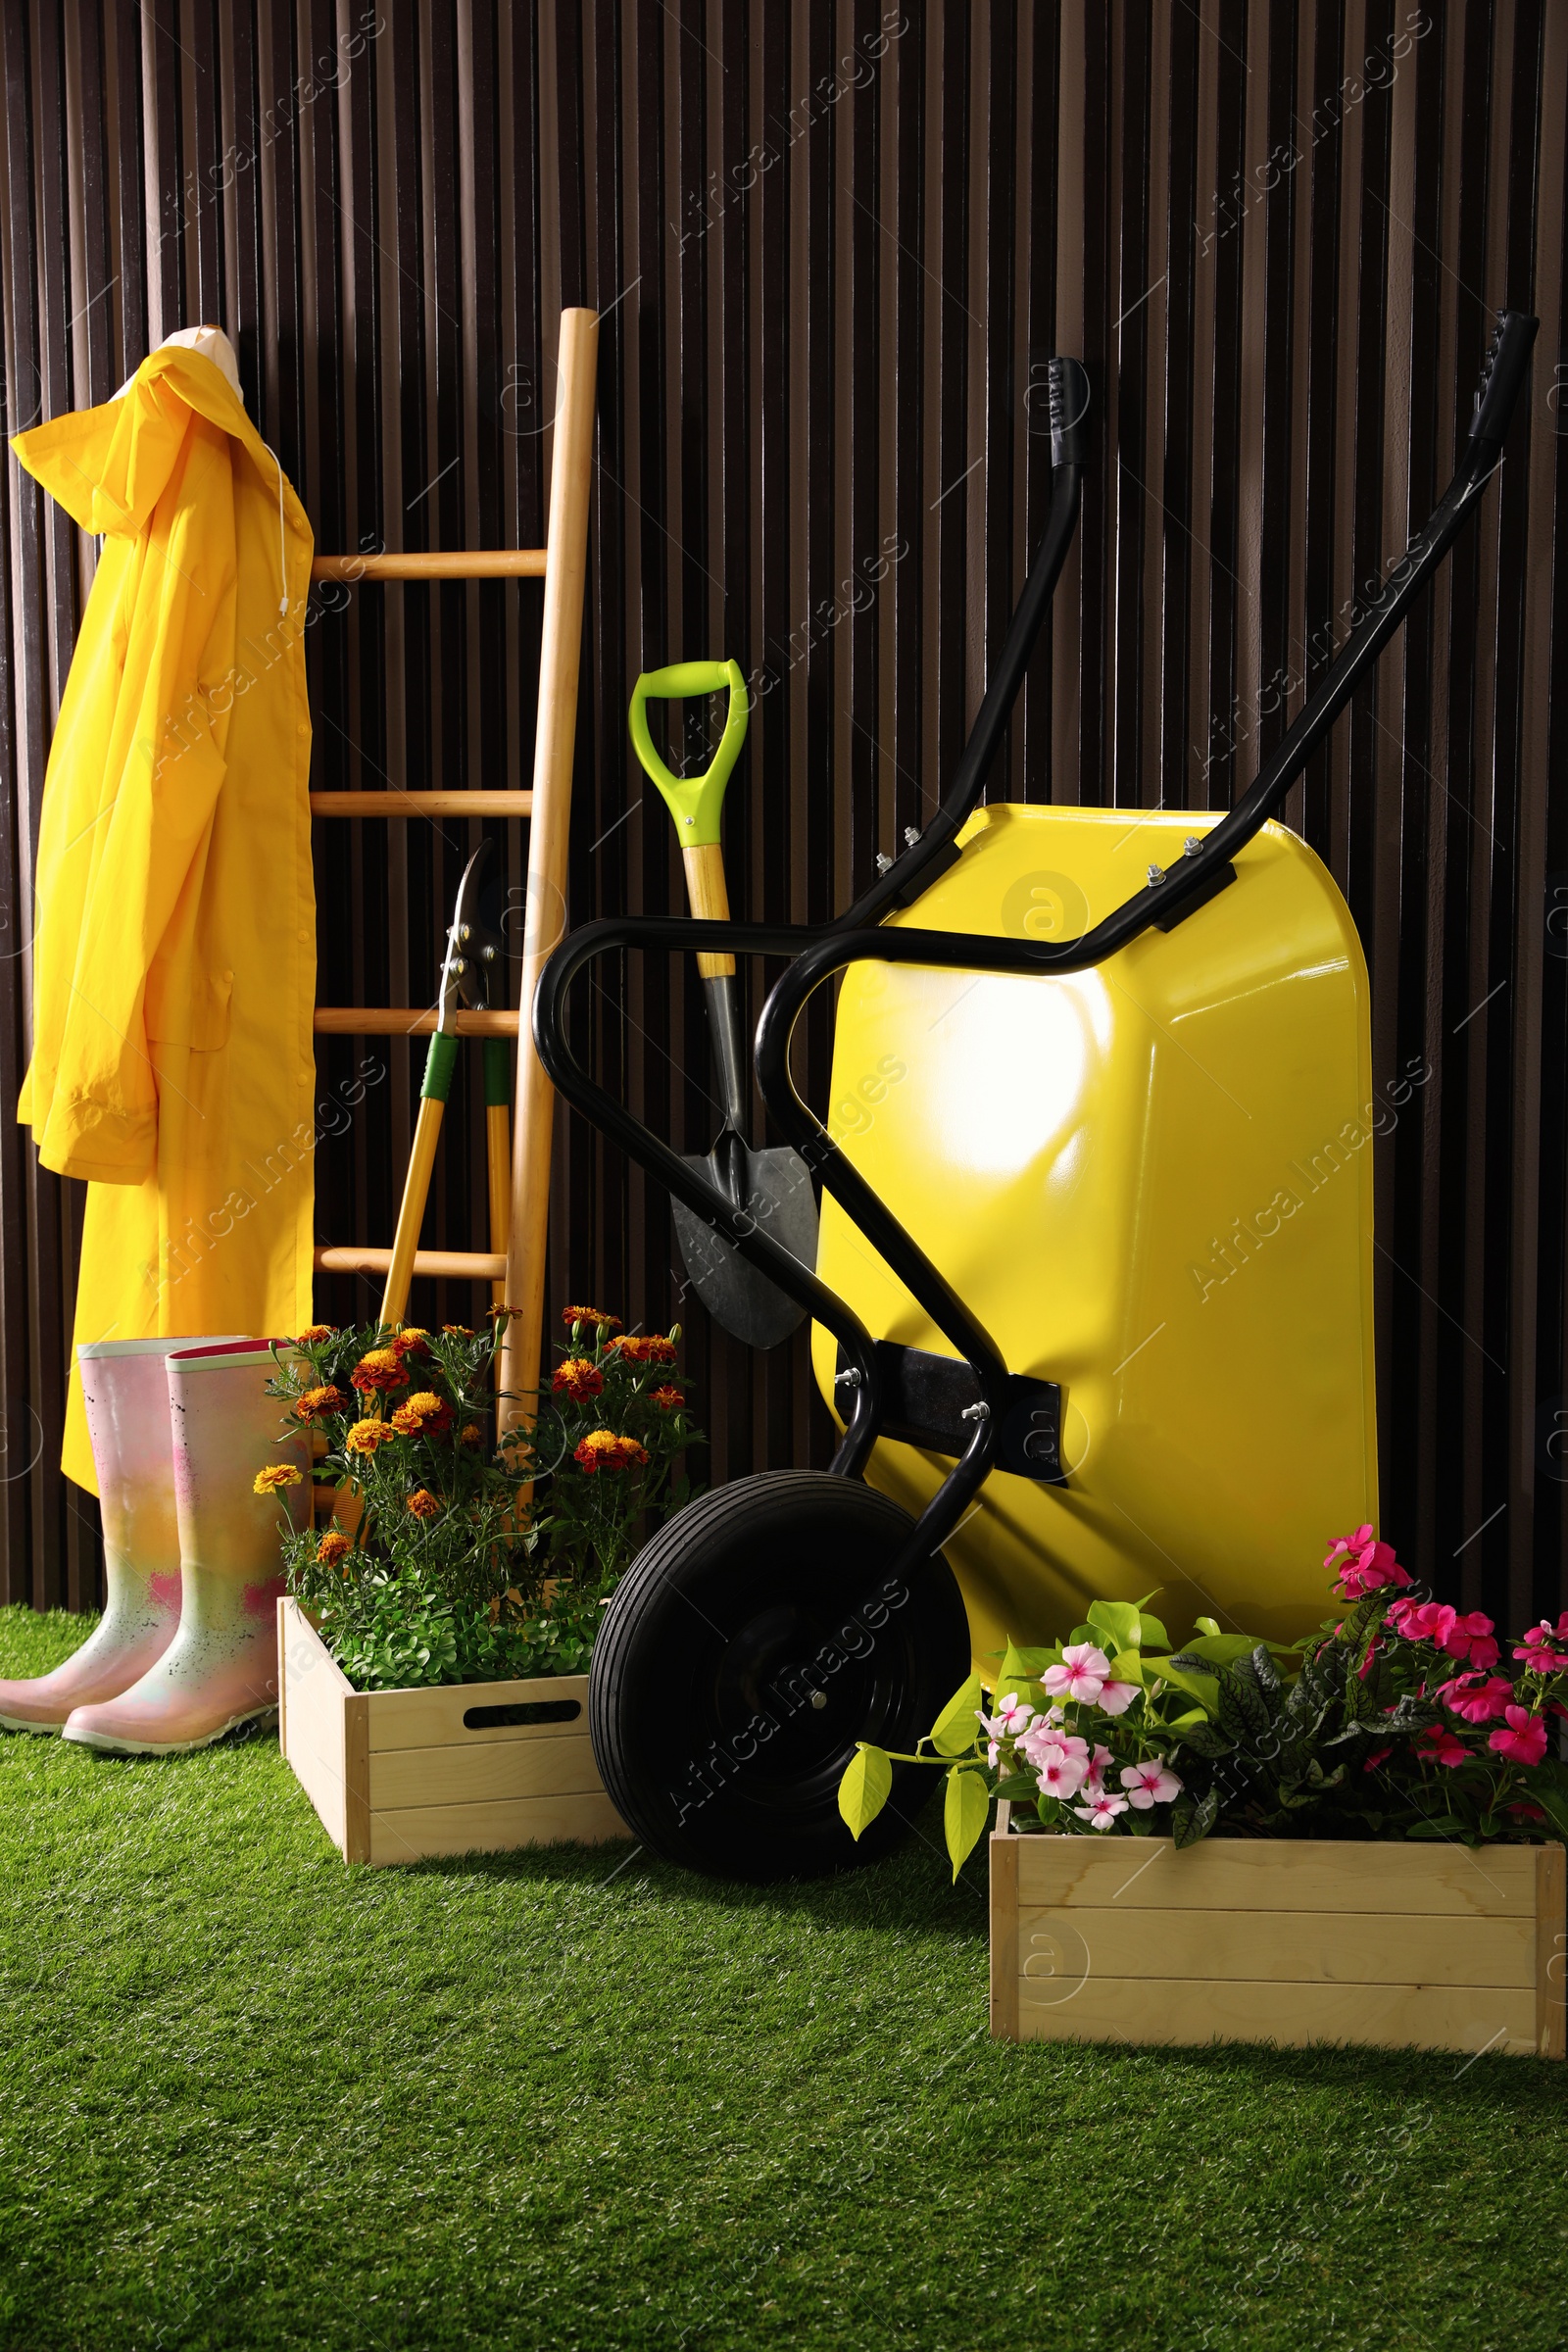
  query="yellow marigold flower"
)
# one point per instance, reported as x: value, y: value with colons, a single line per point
x: 577, y: 1377
x: 316, y: 1403
x: 457, y: 1331
x: 602, y: 1450
x: 276, y: 1475
x: 423, y: 1504
x: 426, y: 1415
x: 381, y: 1368
x: 316, y: 1331
x: 471, y: 1434
x: 334, y: 1545
x: 653, y: 1348
x: 589, y: 1314
x: 412, y: 1340
x: 365, y: 1436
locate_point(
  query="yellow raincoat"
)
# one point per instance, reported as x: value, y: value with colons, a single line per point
x: 174, y: 926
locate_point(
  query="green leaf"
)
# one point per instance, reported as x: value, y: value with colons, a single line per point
x: 1116, y: 1621
x: 1022, y: 1666
x: 1205, y: 1688
x: 864, y: 1787
x: 1243, y: 1709
x: 1151, y: 1635
x: 1127, y: 1666
x: 1442, y: 1825
x: 965, y: 1812
x: 1202, y: 1736
x: 1205, y: 1625
x: 956, y: 1731
x: 1218, y: 1649
x: 1189, y: 1821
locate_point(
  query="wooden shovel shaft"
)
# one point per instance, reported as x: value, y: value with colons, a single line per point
x: 709, y: 902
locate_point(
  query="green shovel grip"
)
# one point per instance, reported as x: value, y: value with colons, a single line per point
x: 440, y: 1062
x: 694, y: 801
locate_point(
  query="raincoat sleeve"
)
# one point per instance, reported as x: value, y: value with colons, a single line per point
x: 141, y: 735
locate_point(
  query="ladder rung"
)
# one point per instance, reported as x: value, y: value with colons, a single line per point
x: 402, y: 1020
x: 478, y: 563
x: 420, y: 804
x: 478, y: 1265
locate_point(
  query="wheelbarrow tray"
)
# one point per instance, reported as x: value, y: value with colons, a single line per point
x: 1151, y: 1181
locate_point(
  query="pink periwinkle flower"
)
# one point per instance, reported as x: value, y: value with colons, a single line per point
x: 1362, y: 1564
x: 1539, y: 1650
x: 1476, y: 1697
x: 1061, y: 1775
x: 1116, y: 1697
x: 1521, y: 1739
x: 1102, y: 1810
x: 1082, y: 1675
x: 1009, y: 1719
x: 1378, y: 1755
x: 1439, y: 1747
x: 1149, y: 1783
x: 1100, y: 1763
x: 1468, y: 1640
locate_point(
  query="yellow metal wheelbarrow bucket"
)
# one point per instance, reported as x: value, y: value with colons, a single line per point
x: 1153, y: 1183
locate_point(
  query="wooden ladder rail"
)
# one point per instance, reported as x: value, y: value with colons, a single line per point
x: 563, y: 565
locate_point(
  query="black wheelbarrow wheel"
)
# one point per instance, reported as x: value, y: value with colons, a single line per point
x: 753, y: 1641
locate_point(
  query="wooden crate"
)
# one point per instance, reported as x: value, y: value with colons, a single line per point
x: 398, y: 1776
x: 1408, y: 1946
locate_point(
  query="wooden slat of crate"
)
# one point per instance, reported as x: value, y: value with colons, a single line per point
x: 430, y: 1718
x: 491, y: 1769
x: 1267, y: 1875
x: 1325, y: 1948
x: 408, y: 1834
x: 312, y: 1723
x: 1149, y: 2009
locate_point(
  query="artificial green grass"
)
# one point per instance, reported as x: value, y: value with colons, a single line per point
x: 249, y: 2097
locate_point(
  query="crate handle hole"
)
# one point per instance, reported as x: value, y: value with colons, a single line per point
x: 531, y: 1710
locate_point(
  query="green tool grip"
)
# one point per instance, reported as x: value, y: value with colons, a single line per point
x: 497, y: 1074
x: 694, y: 801
x: 439, y: 1064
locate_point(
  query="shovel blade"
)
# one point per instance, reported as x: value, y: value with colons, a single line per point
x: 735, y: 1293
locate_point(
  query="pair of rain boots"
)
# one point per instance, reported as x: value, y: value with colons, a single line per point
x: 188, y: 1648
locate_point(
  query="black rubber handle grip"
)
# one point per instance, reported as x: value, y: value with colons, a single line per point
x: 1069, y: 413
x: 1502, y: 376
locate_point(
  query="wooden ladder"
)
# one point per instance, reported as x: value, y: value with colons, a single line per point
x: 563, y: 565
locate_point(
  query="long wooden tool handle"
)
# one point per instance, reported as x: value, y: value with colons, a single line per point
x: 410, y: 1216
x: 498, y: 1146
x: 709, y: 899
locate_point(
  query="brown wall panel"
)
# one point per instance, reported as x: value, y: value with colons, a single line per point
x: 834, y: 243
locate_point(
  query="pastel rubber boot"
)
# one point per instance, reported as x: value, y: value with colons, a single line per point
x: 124, y: 1386
x: 220, y: 1670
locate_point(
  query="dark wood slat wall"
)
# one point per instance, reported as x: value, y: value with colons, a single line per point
x: 834, y: 245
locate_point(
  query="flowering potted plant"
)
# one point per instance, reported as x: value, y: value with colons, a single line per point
x: 448, y: 1607
x: 1396, y: 1728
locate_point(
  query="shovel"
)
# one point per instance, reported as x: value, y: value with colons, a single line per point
x: 772, y: 1187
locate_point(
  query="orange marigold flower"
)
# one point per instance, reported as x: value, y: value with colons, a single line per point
x: 589, y: 1314
x: 602, y: 1450
x: 382, y: 1368
x: 457, y: 1331
x: 367, y: 1436
x: 577, y: 1377
x: 411, y: 1340
x: 426, y: 1415
x: 471, y: 1434
x: 667, y: 1399
x: 316, y: 1403
x: 334, y: 1545
x: 652, y: 1348
x: 276, y: 1475
x: 316, y: 1330
x: 423, y: 1504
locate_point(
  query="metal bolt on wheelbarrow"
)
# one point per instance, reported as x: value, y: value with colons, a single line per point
x: 1093, y: 1294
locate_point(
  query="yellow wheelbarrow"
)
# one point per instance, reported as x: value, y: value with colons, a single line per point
x: 1093, y: 1293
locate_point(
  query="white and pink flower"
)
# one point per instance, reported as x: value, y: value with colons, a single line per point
x: 1149, y: 1782
x: 1102, y: 1810
x: 1082, y: 1675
